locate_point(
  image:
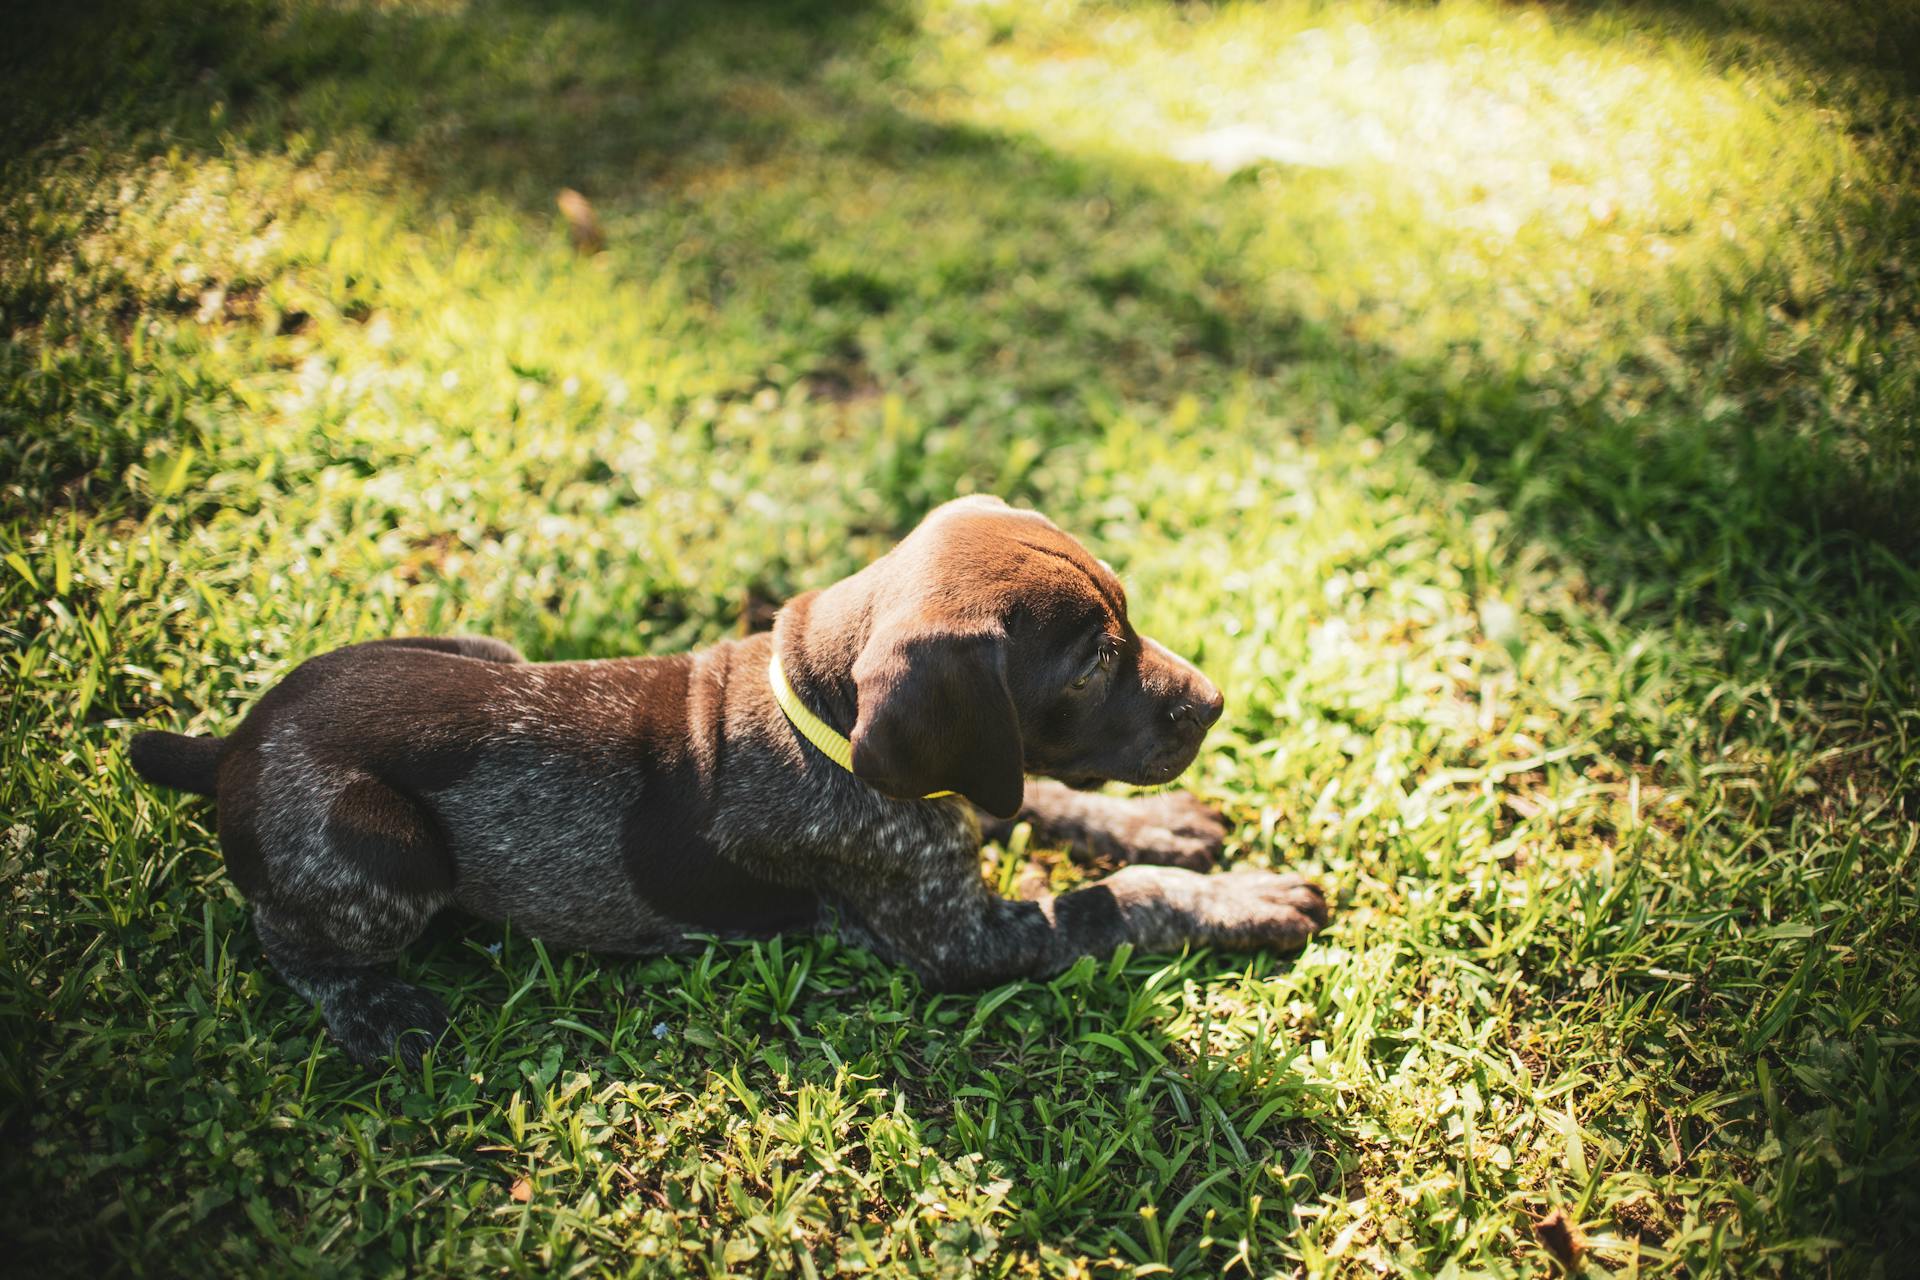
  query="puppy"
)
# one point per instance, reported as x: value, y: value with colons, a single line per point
x: 824, y: 775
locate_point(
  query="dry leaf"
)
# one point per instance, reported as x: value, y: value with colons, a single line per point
x: 522, y: 1190
x: 582, y: 223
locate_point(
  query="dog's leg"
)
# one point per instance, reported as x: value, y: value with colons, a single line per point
x: 485, y: 648
x: 1170, y: 829
x: 354, y: 871
x: 371, y: 1013
x: 958, y: 935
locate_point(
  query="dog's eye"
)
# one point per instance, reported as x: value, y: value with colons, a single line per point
x: 1102, y: 659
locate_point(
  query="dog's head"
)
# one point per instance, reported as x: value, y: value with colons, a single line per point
x: 992, y: 645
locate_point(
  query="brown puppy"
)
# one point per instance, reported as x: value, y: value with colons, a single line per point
x: 823, y: 775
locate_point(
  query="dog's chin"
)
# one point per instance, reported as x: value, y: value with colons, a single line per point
x: 1153, y: 773
x: 1156, y: 773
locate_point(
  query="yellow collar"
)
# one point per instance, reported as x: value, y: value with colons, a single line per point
x: 832, y: 744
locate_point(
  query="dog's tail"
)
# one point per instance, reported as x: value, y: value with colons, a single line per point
x: 176, y: 760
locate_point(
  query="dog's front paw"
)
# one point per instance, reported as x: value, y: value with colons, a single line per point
x: 1248, y: 910
x: 1173, y: 829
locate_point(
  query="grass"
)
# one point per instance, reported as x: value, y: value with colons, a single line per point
x: 1528, y: 451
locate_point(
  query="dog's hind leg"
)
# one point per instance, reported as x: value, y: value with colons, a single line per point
x: 370, y: 1012
x: 353, y: 872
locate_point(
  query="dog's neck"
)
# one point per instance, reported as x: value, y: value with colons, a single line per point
x: 818, y: 636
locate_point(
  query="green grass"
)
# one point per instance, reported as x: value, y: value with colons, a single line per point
x: 1529, y: 455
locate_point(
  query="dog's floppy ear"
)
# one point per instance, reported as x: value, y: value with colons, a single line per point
x: 935, y: 714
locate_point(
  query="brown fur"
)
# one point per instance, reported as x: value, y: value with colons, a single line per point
x: 623, y: 805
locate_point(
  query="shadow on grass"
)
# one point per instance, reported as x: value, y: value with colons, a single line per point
x: 513, y: 97
x: 1882, y: 40
x: 644, y: 106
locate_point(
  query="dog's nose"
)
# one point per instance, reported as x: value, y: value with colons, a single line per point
x: 1201, y: 711
x: 1211, y: 707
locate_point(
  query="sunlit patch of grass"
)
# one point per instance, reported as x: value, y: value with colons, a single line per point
x: 1562, y: 195
x: 1504, y: 132
x: 1495, y: 481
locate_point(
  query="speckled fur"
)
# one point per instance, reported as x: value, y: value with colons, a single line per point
x: 623, y: 805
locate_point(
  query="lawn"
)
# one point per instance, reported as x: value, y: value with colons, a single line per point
x: 1512, y: 407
